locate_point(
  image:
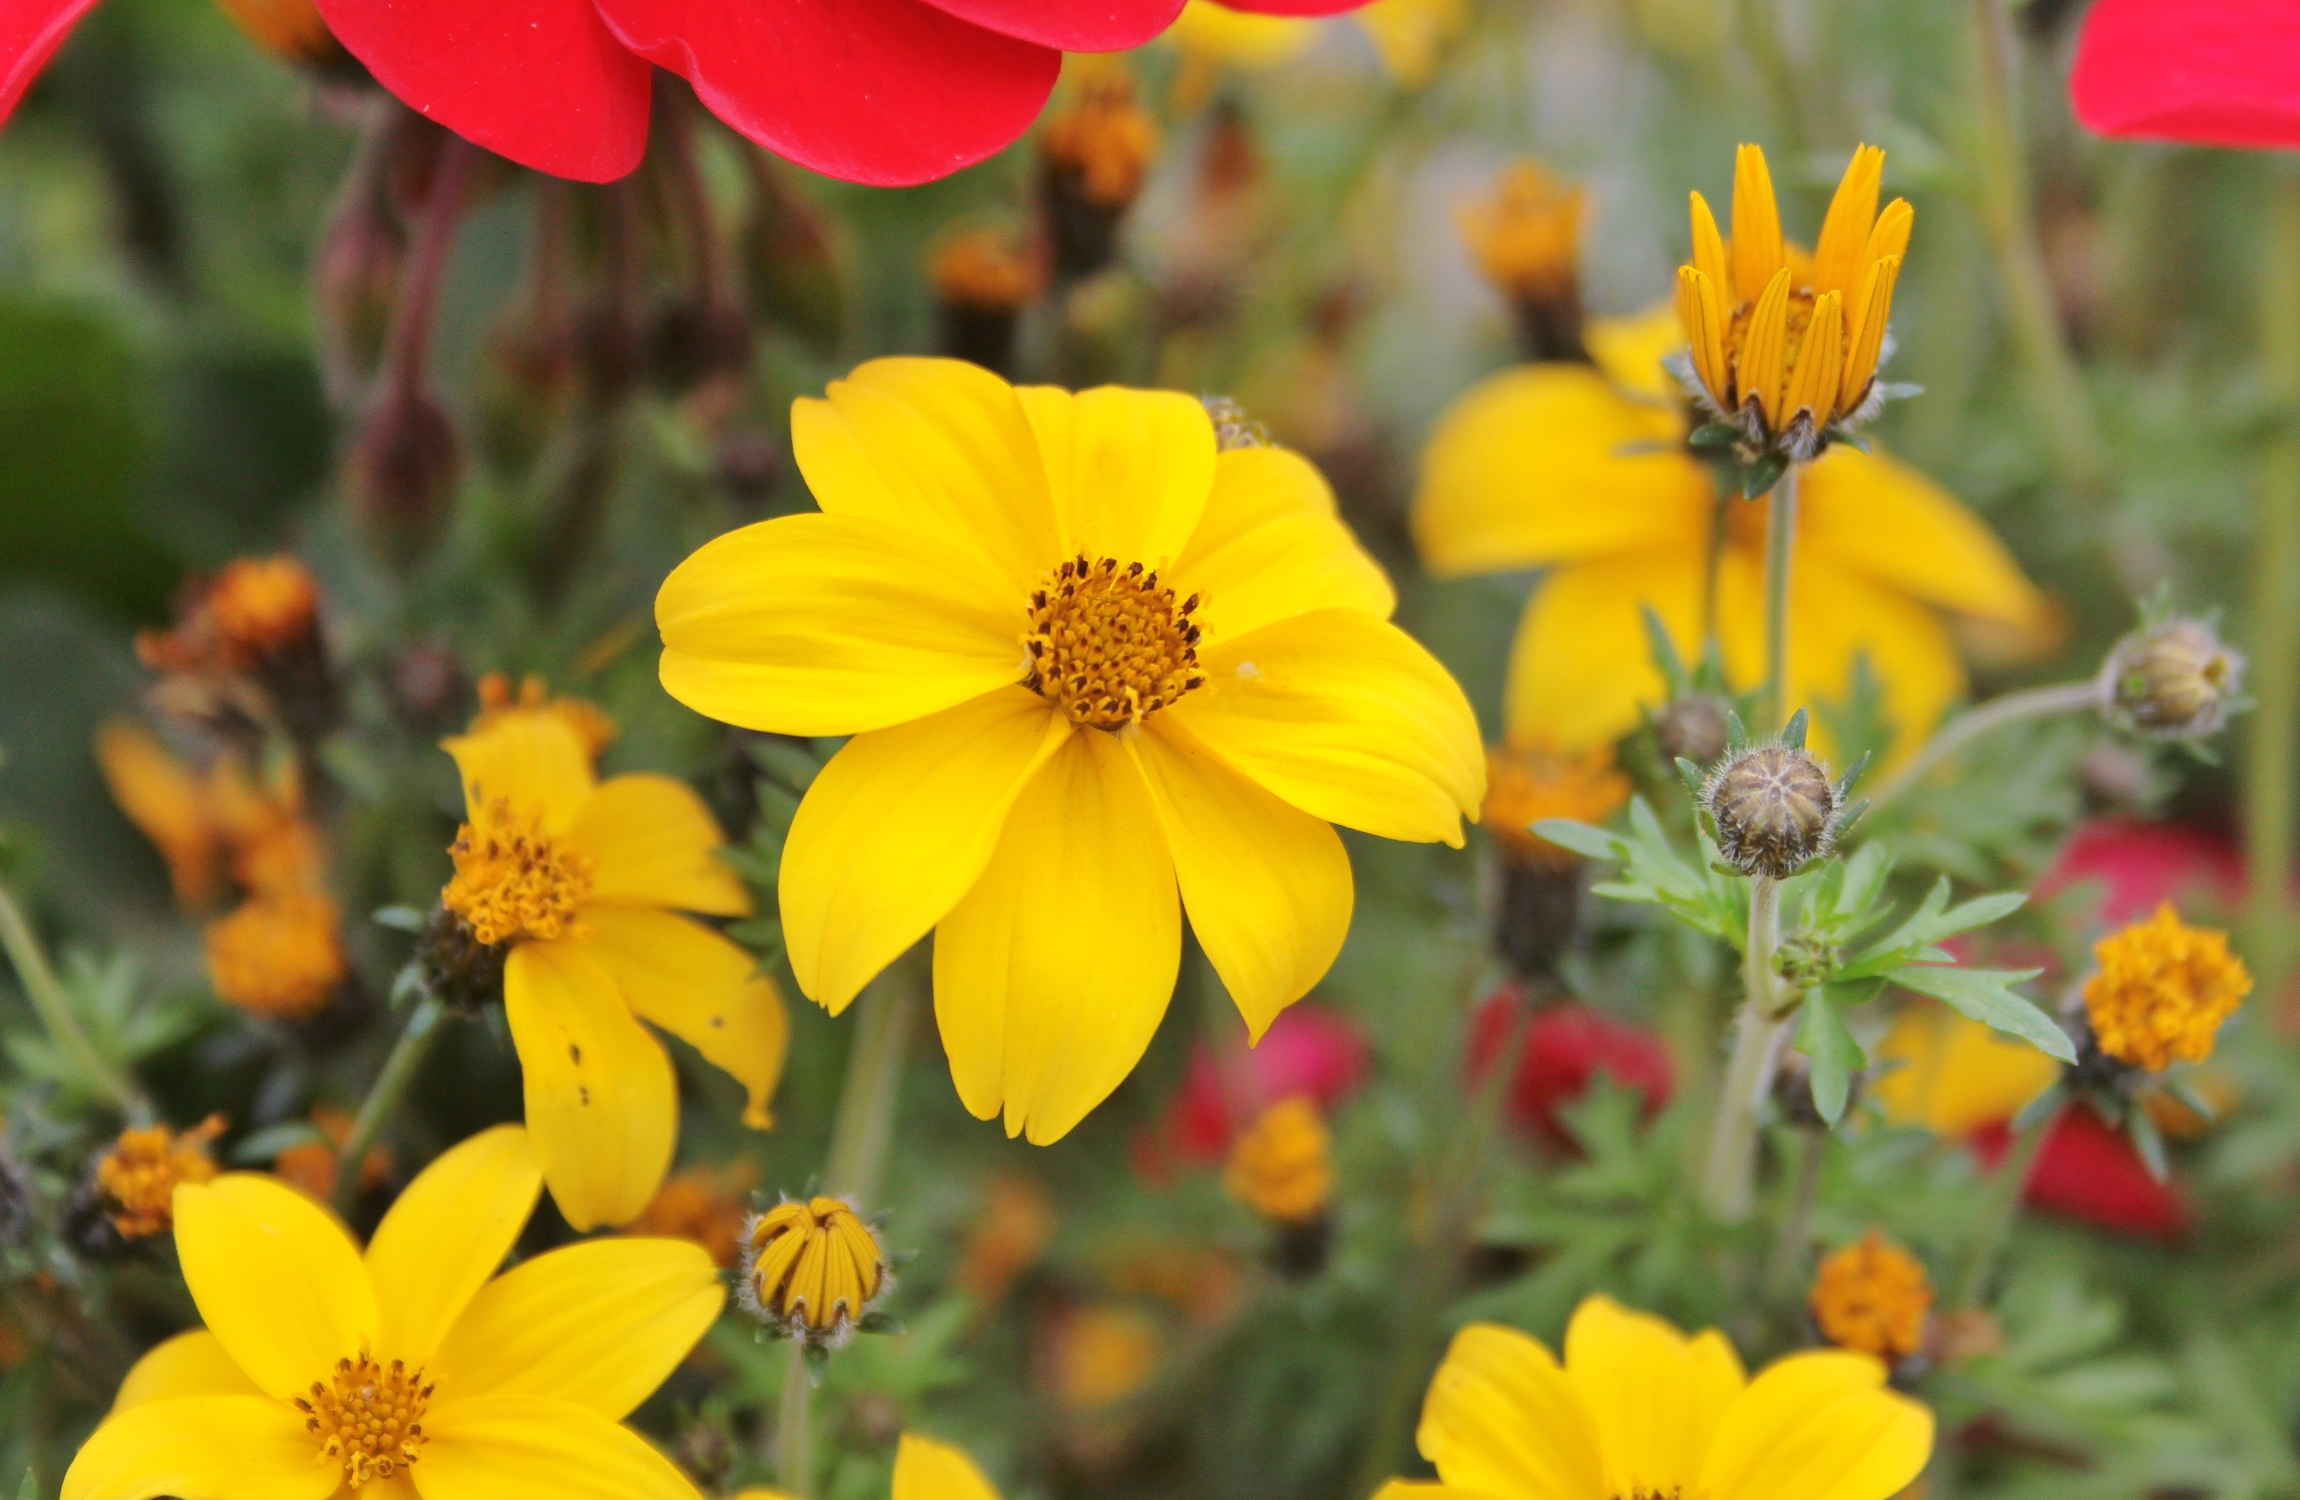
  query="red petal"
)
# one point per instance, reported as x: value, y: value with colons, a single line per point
x: 1566, y: 1046
x: 1072, y: 25
x: 2217, y: 72
x: 891, y: 92
x: 2089, y: 1170
x: 1295, y: 7
x: 539, y: 81
x: 30, y: 33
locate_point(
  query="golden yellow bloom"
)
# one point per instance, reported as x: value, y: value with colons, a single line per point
x: 1582, y: 471
x: 1408, y: 35
x: 1527, y: 236
x: 321, y: 1372
x: 1282, y: 1165
x: 1087, y: 662
x: 1953, y: 1075
x: 1103, y: 1353
x: 1873, y: 1297
x: 582, y: 883
x: 497, y: 702
x: 982, y: 268
x: 1009, y: 1235
x: 813, y: 1267
x: 139, y: 1175
x: 709, y: 1206
x: 1526, y: 783
x: 927, y: 1470
x: 1101, y: 138
x: 278, y: 954
x: 1638, y: 1410
x: 1784, y: 344
x: 2162, y: 991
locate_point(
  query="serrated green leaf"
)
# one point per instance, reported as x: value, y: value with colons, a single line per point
x: 1793, y: 732
x: 1822, y: 1036
x: 1582, y: 838
x: 1987, y: 996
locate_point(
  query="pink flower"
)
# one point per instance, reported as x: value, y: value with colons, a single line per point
x: 1307, y: 1050
x: 2089, y: 1170
x: 2215, y: 72
x: 1566, y: 1047
x: 2144, y: 865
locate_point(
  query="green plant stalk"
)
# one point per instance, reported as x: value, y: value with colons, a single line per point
x: 1780, y: 549
x: 385, y: 1095
x: 863, y: 1128
x: 1999, y: 1209
x: 1974, y: 724
x: 2007, y: 206
x: 795, y: 1428
x: 1729, y: 1184
x: 54, y: 1008
x: 2272, y: 736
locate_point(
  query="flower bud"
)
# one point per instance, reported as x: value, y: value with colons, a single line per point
x: 811, y: 1270
x: 1094, y: 154
x: 1775, y: 810
x: 1691, y: 728
x: 1527, y: 240
x: 2172, y: 681
x: 402, y: 474
x: 1233, y: 429
x: 2162, y: 991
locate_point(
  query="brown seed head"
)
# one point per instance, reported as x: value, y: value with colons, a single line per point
x: 1775, y: 810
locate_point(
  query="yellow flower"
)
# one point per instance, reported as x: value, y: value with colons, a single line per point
x: 278, y: 954
x: 1638, y: 1410
x: 577, y: 885
x: 1101, y: 140
x: 322, y: 1371
x: 813, y: 1267
x: 137, y: 1177
x: 1872, y: 1297
x: 1953, y: 1076
x: 1527, y: 236
x: 497, y: 701
x: 1103, y: 1353
x: 2162, y: 991
x: 1084, y: 660
x: 1282, y: 1165
x: 1408, y: 35
x: 1526, y: 783
x: 1784, y: 344
x: 1564, y: 467
x: 927, y: 1470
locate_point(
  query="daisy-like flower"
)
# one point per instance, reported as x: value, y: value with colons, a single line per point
x: 1584, y: 472
x: 1408, y: 36
x: 1784, y: 345
x: 1085, y: 660
x: 1638, y: 1410
x: 322, y: 1371
x: 571, y: 889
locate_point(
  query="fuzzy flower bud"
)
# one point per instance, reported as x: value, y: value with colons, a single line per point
x: 811, y: 1270
x: 1873, y: 1297
x: 2173, y: 681
x: 1775, y: 809
x: 1691, y: 728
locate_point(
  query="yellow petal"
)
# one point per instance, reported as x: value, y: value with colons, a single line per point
x: 701, y: 988
x: 537, y: 1448
x: 1709, y: 256
x: 1813, y: 384
x: 1129, y: 470
x: 535, y: 760
x: 1409, y: 34
x: 1818, y: 1425
x: 1241, y: 39
x: 203, y: 1448
x: 940, y: 449
x: 1704, y: 320
x: 1051, y: 975
x: 447, y: 1234
x: 1888, y: 522
x: 1270, y: 546
x: 655, y: 844
x: 1267, y: 886
x: 1955, y: 1075
x: 1865, y: 336
x: 1655, y: 1401
x: 1502, y: 1419
x: 927, y: 1470
x: 1757, y: 252
x: 833, y: 624
x: 190, y: 1364
x: 896, y: 828
x: 1837, y: 258
x: 1423, y: 1489
x: 1889, y: 240
x: 1349, y: 719
x: 1765, y: 350
x: 602, y: 1106
x: 1631, y: 350
x: 1550, y: 464
x: 1582, y: 662
x: 275, y: 1277
x: 600, y: 1324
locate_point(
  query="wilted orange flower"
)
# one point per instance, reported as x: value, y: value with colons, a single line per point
x: 2162, y: 991
x: 707, y: 1206
x: 278, y: 954
x: 1282, y: 1165
x: 1526, y: 782
x: 1873, y: 1296
x: 1527, y: 236
x: 1102, y: 139
x: 257, y: 607
x: 138, y: 1176
x: 982, y: 268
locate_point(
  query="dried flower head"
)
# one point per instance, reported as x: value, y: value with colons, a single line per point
x: 707, y: 1206
x: 278, y: 954
x: 1526, y: 238
x: 1775, y: 809
x: 1873, y: 1296
x: 811, y: 1269
x: 1281, y: 1166
x: 136, y: 1178
x: 2162, y: 991
x: 2172, y: 680
x: 1525, y: 783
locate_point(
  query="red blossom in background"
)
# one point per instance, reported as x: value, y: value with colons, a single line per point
x: 2144, y: 865
x: 1566, y: 1047
x: 2213, y: 72
x: 2089, y: 1170
x: 1307, y: 1050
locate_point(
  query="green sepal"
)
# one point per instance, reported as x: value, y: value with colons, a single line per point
x: 1758, y: 479
x: 1715, y: 436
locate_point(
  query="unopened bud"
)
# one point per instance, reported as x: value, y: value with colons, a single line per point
x: 811, y: 1270
x: 1775, y: 810
x: 402, y: 473
x: 1233, y: 429
x: 1691, y: 728
x: 2172, y: 681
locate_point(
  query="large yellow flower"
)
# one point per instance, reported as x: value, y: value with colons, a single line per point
x: 406, y: 1372
x: 1408, y: 35
x: 1084, y: 659
x: 1584, y: 471
x: 576, y: 886
x: 1639, y: 1411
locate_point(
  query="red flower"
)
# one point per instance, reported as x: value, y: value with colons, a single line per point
x: 2089, y: 1170
x: 1566, y: 1046
x: 879, y: 91
x: 1307, y: 1050
x: 2216, y: 72
x: 2144, y: 865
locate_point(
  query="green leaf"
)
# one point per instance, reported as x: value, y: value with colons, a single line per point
x: 1664, y: 651
x: 2148, y: 1141
x: 792, y: 765
x: 1582, y: 838
x: 778, y: 805
x: 1758, y: 479
x: 1793, y: 733
x: 400, y: 918
x: 1823, y: 1037
x: 1987, y: 996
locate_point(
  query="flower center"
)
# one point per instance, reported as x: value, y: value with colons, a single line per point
x: 1109, y: 643
x: 368, y: 1417
x: 513, y: 880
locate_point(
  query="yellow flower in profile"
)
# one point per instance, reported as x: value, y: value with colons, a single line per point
x: 2162, y: 990
x: 576, y: 886
x: 1086, y: 662
x: 1784, y: 344
x: 1584, y: 472
x: 1639, y: 1410
x: 321, y: 1371
x: 1408, y: 36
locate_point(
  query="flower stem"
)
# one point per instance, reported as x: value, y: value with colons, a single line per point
x: 54, y: 1007
x: 1998, y: 1210
x: 795, y: 1428
x: 1780, y: 546
x: 864, y: 1126
x: 384, y: 1096
x: 1965, y: 728
x: 1729, y: 1185
x: 2272, y: 748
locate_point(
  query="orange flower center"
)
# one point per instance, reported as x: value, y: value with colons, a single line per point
x: 513, y: 880
x: 1109, y: 643
x: 369, y: 1418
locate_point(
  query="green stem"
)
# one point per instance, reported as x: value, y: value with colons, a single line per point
x: 1999, y: 1209
x: 1973, y: 724
x: 864, y: 1126
x: 795, y: 1428
x: 1729, y: 1185
x: 54, y: 1007
x: 1780, y: 548
x: 2272, y: 749
x: 2007, y: 207
x: 385, y: 1095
